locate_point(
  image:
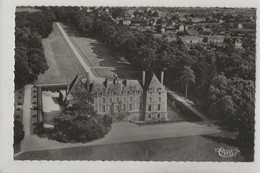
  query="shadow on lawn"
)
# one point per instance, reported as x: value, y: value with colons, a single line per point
x: 118, y: 64
x: 246, y: 151
x: 107, y: 57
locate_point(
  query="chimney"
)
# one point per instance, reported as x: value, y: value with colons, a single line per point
x: 105, y: 83
x: 125, y: 82
x: 143, y: 78
x: 115, y: 81
x: 162, y: 74
x: 68, y: 85
x: 87, y: 81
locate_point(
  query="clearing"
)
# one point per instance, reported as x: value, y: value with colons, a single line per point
x: 60, y: 59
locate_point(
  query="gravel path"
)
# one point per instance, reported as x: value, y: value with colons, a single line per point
x: 122, y: 132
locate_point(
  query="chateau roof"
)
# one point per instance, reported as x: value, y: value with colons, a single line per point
x: 155, y: 85
x: 116, y: 88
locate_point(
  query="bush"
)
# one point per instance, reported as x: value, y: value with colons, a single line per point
x: 107, y: 121
x: 78, y: 126
x: 18, y: 131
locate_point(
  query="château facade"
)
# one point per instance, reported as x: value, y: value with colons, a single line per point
x: 141, y: 101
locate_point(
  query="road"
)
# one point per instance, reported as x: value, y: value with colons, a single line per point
x: 122, y: 132
x: 187, y: 103
x: 26, y: 117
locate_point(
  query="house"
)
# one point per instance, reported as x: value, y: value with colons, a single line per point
x: 141, y: 101
x: 216, y: 38
x: 240, y: 26
x: 183, y: 19
x: 129, y: 14
x: 191, y: 39
x: 197, y: 20
x: 238, y: 43
x: 181, y: 28
x: 221, y: 21
x: 207, y: 30
x: 163, y: 30
x: 126, y: 22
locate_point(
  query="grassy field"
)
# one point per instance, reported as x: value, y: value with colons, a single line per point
x: 60, y: 60
x: 99, y: 56
x: 192, y: 148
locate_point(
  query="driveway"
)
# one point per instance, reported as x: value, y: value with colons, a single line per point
x: 122, y: 132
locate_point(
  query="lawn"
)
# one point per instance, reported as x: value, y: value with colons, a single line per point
x: 191, y: 148
x: 99, y: 56
x: 60, y: 59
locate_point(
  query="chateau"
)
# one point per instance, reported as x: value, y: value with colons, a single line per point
x: 141, y: 101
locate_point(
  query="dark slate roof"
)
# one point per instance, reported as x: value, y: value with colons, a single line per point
x: 105, y: 86
x: 130, y: 86
x: 155, y: 85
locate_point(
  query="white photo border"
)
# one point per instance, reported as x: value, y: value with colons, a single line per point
x: 7, y: 164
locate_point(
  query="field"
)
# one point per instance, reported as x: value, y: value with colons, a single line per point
x: 60, y: 60
x: 98, y: 56
x: 190, y: 148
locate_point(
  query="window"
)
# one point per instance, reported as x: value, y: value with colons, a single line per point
x: 149, y: 116
x: 158, y: 115
x: 124, y: 107
x: 149, y: 107
x: 150, y: 98
x: 124, y: 99
x: 117, y: 99
x: 110, y: 100
x: 104, y: 100
x: 103, y: 109
x: 159, y: 107
x: 159, y: 93
x: 159, y: 99
x: 131, y: 99
x: 130, y: 107
x: 117, y: 107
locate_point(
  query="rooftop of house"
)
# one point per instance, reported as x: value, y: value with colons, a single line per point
x: 116, y: 86
x: 216, y: 37
x: 190, y: 38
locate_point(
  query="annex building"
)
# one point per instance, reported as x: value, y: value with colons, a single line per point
x: 144, y: 100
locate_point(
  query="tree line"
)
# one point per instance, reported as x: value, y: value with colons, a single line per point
x: 30, y: 60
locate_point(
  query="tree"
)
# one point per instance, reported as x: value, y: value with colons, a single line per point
x: 187, y: 77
